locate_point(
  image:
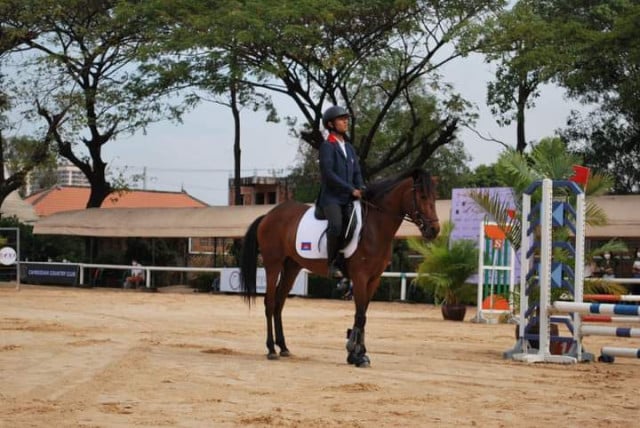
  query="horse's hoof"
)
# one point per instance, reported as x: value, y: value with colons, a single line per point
x: 351, y: 359
x: 272, y: 356
x: 285, y: 353
x: 364, y: 362
x: 359, y: 360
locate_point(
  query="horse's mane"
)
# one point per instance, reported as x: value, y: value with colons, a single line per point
x: 380, y: 188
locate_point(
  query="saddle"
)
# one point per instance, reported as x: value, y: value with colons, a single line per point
x: 311, y: 241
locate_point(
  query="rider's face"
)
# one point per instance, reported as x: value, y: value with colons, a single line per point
x: 341, y: 124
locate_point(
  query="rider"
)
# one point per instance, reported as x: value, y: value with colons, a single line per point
x: 341, y: 180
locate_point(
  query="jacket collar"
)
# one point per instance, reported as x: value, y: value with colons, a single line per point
x: 333, y: 139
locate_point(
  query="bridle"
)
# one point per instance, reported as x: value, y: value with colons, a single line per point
x: 418, y: 218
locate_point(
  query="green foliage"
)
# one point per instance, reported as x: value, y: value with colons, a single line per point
x: 305, y: 177
x: 44, y: 247
x: 521, y: 43
x: 83, y: 77
x: 609, y: 142
x: 484, y: 176
x: 372, y: 57
x: 448, y: 164
x: 446, y: 266
x: 548, y: 159
x: 597, y: 286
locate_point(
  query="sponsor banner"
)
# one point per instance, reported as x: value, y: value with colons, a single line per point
x: 230, y: 282
x: 49, y: 273
x: 468, y: 217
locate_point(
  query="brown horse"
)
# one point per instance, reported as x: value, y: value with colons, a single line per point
x: 386, y: 204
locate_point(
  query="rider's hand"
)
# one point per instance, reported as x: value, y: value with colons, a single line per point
x: 357, y: 193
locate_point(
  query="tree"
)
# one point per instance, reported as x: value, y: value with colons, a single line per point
x: 192, y: 56
x: 22, y: 156
x: 608, y: 143
x: 609, y: 136
x: 18, y: 156
x: 484, y: 176
x: 305, y: 176
x: 522, y: 44
x: 352, y: 53
x: 449, y: 166
x: 86, y: 84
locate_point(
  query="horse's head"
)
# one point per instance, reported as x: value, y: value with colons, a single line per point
x: 423, y: 212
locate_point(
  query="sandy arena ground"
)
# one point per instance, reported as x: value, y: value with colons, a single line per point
x: 120, y: 358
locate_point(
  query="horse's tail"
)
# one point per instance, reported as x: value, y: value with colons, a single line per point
x: 249, y: 261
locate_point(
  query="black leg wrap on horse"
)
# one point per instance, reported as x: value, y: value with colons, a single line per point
x: 355, y: 347
x: 359, y: 321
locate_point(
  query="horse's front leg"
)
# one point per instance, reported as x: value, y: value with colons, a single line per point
x: 355, y: 343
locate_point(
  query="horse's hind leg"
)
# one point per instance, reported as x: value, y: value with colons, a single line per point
x: 269, y: 309
x: 287, y: 278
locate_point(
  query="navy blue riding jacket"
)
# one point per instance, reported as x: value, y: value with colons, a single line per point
x: 340, y: 174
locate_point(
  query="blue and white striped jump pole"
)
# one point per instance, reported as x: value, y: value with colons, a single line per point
x: 597, y: 308
x: 603, y: 330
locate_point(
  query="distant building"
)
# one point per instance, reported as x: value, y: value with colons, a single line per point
x: 66, y: 174
x: 261, y: 190
x: 70, y: 175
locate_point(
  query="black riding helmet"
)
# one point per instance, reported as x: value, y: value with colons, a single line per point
x: 333, y: 112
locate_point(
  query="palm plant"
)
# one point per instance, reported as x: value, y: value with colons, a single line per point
x: 446, y: 266
x: 548, y: 159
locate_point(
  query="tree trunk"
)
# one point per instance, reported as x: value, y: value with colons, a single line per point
x: 237, y: 153
x: 521, y: 141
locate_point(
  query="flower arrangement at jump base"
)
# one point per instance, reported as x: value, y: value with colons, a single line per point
x: 445, y: 269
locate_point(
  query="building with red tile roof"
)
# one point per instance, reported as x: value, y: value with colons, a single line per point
x: 69, y: 198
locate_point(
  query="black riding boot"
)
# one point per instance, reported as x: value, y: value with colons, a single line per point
x: 333, y: 246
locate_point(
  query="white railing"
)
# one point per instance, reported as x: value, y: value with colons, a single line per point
x: 148, y: 269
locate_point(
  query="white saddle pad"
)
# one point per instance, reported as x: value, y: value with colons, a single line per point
x: 309, y: 243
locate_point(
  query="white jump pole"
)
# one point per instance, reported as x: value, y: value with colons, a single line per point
x: 614, y: 351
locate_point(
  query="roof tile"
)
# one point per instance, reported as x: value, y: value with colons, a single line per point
x: 68, y: 198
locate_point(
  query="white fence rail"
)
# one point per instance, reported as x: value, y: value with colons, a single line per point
x: 149, y: 269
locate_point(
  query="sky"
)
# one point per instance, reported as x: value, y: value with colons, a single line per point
x: 197, y: 156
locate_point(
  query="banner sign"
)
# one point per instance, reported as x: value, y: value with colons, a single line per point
x: 467, y: 216
x: 230, y: 282
x: 49, y: 273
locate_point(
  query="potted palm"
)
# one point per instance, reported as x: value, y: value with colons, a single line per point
x: 444, y: 270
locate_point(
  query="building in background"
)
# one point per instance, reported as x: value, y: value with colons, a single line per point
x: 65, y: 174
x: 261, y: 190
